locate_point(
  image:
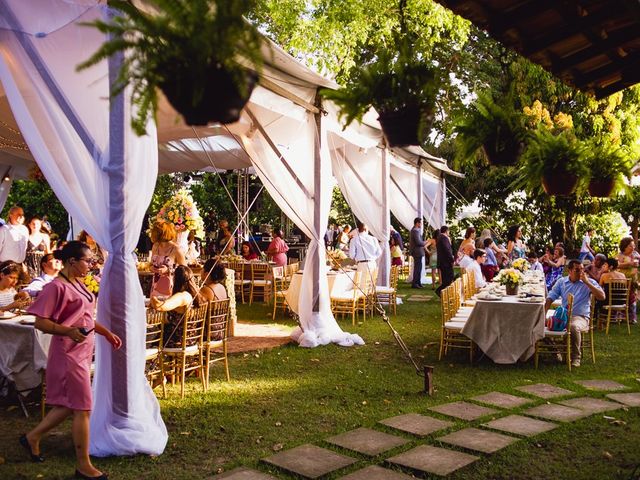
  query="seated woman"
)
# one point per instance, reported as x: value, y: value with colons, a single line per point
x: 213, y: 277
x: 610, y: 272
x: 248, y: 252
x: 185, y: 294
x: 556, y: 265
x: 9, y: 297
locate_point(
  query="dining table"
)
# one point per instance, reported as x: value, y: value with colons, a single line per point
x: 23, y: 352
x: 507, y: 327
x: 337, y: 282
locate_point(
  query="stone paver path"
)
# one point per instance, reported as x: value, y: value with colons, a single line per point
x: 376, y: 473
x: 463, y: 410
x: 502, y: 400
x: 544, y: 390
x: 559, y: 413
x: 479, y: 440
x: 416, y: 424
x: 628, y: 399
x: 243, y: 473
x: 602, y: 385
x: 591, y: 405
x: 520, y: 425
x: 367, y: 441
x: 428, y: 459
x: 309, y: 461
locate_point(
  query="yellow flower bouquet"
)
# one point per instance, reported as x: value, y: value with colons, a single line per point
x: 92, y: 282
x: 182, y: 211
x: 509, y: 277
x: 521, y: 264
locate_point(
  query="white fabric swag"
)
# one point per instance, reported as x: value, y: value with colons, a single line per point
x: 104, y: 176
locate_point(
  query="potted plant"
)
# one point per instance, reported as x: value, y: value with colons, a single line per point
x: 193, y: 50
x: 553, y: 160
x: 510, y: 278
x: 608, y: 164
x: 495, y: 129
x: 400, y: 86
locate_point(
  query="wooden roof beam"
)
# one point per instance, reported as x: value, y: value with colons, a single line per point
x: 629, y: 78
x: 626, y: 64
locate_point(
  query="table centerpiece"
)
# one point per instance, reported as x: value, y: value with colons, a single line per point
x: 510, y: 278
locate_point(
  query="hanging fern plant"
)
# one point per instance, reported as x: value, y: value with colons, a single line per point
x: 195, y: 51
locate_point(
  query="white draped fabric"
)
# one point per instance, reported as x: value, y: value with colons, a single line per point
x: 297, y: 175
x: 5, y: 187
x: 404, y: 192
x: 363, y: 178
x: 104, y: 176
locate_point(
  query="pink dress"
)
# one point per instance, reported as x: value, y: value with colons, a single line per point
x: 69, y: 363
x: 279, y: 245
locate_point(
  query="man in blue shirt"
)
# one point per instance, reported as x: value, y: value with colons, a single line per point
x: 582, y: 287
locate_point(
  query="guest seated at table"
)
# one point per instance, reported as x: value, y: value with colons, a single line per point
x: 536, y: 266
x: 556, y: 265
x: 581, y: 287
x: 596, y: 269
x: 50, y: 267
x: 278, y: 249
x: 490, y: 266
x: 248, y: 252
x: 9, y: 297
x: 98, y: 254
x: 466, y: 261
x: 185, y: 293
x: 213, y: 277
x: 165, y: 254
x: 610, y: 272
x: 479, y: 257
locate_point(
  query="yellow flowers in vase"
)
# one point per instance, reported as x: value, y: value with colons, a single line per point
x: 510, y: 278
x: 521, y: 264
x: 92, y: 282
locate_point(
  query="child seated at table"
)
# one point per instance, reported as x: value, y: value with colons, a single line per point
x: 9, y: 297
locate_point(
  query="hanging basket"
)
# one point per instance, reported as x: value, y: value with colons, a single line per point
x: 601, y: 188
x: 511, y: 289
x: 505, y: 157
x: 559, y: 183
x: 403, y: 127
x: 222, y: 100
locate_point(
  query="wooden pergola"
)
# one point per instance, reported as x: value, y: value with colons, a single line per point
x: 593, y: 45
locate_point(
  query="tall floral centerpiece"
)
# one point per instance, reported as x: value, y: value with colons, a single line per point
x: 521, y: 264
x: 510, y: 278
x: 182, y: 211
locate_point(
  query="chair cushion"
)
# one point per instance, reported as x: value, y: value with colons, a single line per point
x: 385, y: 290
x: 189, y: 350
x: 615, y: 307
x: 150, y: 352
x: 551, y: 333
x: 261, y: 282
x: 454, y: 325
x: 348, y: 295
x: 281, y: 293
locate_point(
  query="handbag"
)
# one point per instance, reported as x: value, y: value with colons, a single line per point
x: 558, y: 321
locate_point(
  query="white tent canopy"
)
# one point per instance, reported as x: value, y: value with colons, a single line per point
x: 104, y: 176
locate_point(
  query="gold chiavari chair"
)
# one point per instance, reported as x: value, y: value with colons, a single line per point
x: 347, y: 302
x: 281, y: 281
x: 216, y: 334
x: 556, y: 343
x: 189, y: 346
x: 261, y: 282
x: 153, y: 344
x: 240, y: 282
x: 451, y: 327
x: 389, y: 294
x: 616, y: 308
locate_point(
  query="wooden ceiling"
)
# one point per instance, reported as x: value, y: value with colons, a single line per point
x: 591, y: 44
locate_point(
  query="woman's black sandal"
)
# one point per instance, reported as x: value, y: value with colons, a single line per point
x: 25, y: 443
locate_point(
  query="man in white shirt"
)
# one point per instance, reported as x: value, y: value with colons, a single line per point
x: 365, y: 250
x: 50, y: 268
x: 466, y: 261
x: 586, y: 252
x: 14, y: 237
x: 479, y: 257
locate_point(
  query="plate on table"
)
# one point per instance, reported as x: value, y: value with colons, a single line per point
x: 6, y: 315
x: 531, y: 300
x: 490, y: 297
x: 28, y: 320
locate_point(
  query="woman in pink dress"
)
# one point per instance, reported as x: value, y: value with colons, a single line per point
x: 278, y: 249
x: 65, y: 309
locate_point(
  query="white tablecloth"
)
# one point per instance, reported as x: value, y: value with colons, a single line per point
x: 337, y: 281
x: 23, y: 352
x: 506, y: 330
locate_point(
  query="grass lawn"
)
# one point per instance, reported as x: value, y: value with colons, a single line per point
x: 289, y: 396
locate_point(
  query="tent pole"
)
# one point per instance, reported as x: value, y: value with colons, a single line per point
x: 420, y: 199
x: 383, y: 277
x: 317, y: 209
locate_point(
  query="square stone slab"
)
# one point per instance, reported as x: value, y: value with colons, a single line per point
x: 309, y: 461
x: 416, y: 424
x: 243, y: 473
x: 544, y: 390
x: 463, y: 410
x: 591, y: 405
x: 559, y: 413
x: 376, y: 473
x: 478, y: 440
x: 520, y: 425
x: 629, y: 399
x: 602, y: 385
x: 428, y: 459
x: 367, y: 441
x: 502, y: 400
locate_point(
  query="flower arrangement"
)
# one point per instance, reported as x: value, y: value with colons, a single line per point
x: 521, y: 264
x: 92, y: 282
x: 509, y: 277
x: 182, y: 211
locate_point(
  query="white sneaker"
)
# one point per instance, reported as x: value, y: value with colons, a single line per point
x: 575, y: 363
x: 559, y: 358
